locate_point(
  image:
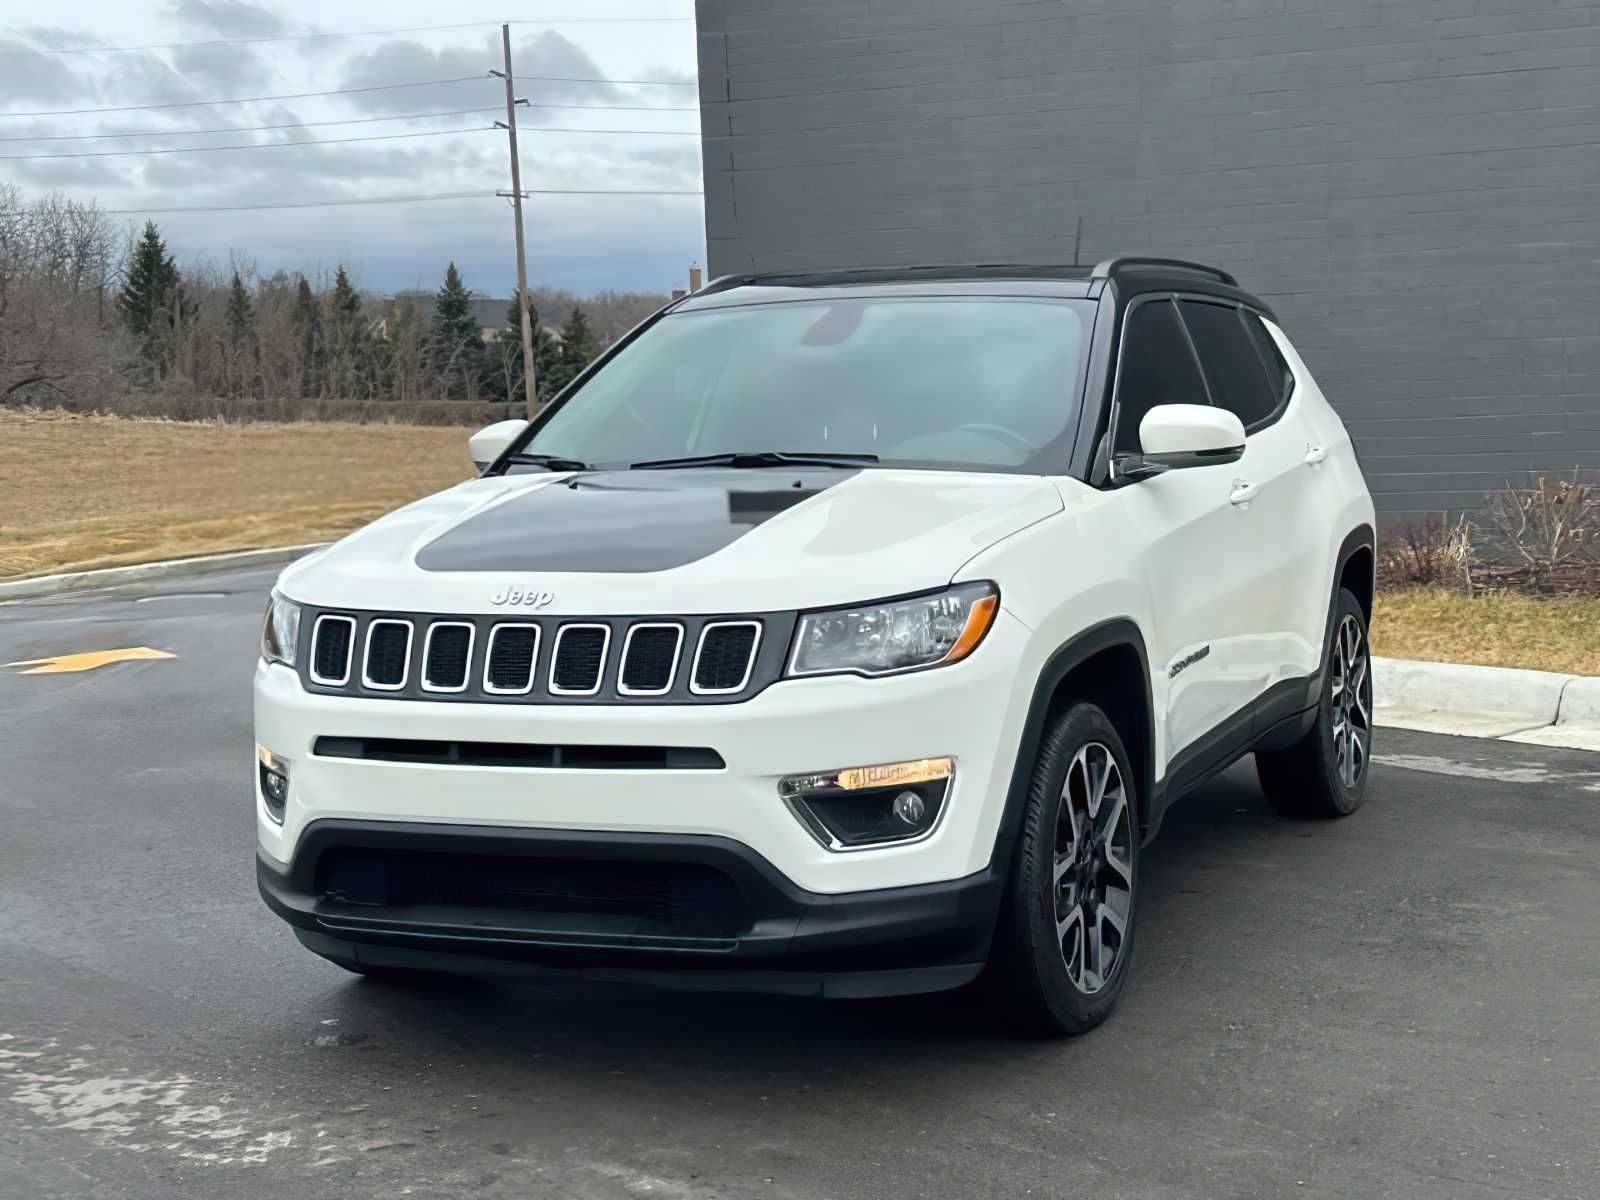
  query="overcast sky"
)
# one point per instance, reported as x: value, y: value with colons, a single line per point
x: 585, y: 243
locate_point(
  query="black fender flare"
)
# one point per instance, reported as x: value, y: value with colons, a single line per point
x: 1362, y: 537
x: 1107, y: 635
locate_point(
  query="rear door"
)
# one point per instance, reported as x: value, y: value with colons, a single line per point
x: 1272, y: 493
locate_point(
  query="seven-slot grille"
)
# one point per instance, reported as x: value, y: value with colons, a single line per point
x: 541, y: 660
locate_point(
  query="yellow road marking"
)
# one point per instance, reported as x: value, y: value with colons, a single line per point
x: 64, y: 664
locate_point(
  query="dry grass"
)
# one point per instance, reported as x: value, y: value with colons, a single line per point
x: 95, y: 491
x: 1500, y: 630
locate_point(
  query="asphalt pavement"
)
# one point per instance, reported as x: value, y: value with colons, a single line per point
x: 1405, y: 1003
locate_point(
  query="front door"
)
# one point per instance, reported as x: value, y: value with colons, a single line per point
x: 1197, y: 546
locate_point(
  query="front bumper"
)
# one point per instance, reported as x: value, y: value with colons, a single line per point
x: 972, y: 712
x: 634, y: 920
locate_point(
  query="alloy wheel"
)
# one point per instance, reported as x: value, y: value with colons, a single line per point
x: 1093, y: 882
x: 1349, y: 666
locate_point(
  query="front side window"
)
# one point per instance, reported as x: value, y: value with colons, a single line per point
x: 1157, y: 368
x: 920, y: 381
x: 1232, y: 366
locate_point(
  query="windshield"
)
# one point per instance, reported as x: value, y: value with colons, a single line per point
x: 924, y: 381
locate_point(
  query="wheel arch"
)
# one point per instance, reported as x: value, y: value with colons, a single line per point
x: 1354, y: 567
x: 1357, y: 568
x: 1106, y: 664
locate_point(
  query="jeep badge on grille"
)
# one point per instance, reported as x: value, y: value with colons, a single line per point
x: 522, y: 597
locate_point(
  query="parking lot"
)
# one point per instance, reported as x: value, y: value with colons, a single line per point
x: 1405, y: 1003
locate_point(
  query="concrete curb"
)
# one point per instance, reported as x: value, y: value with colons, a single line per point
x: 1540, y: 707
x: 78, y: 581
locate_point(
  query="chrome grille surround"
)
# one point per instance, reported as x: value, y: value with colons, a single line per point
x: 700, y: 649
x: 555, y: 658
x: 500, y: 627
x: 349, y: 624
x: 373, y: 627
x: 627, y: 647
x: 427, y: 657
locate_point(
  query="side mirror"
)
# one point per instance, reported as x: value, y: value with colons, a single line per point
x: 1175, y: 436
x: 490, y: 442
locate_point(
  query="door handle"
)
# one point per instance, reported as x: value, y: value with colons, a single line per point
x: 1243, y: 492
x: 1315, y: 454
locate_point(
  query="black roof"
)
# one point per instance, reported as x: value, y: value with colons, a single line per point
x: 1130, y: 275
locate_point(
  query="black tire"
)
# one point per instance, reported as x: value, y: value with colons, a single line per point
x: 1042, y: 967
x: 1325, y: 773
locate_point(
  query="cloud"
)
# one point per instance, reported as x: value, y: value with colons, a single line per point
x: 36, y: 77
x: 312, y: 172
x: 548, y: 55
x: 59, y: 37
x: 91, y: 174
x: 222, y: 67
x: 230, y: 18
x: 144, y: 79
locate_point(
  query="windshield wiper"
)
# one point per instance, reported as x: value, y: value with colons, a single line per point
x: 758, y: 458
x: 553, y: 462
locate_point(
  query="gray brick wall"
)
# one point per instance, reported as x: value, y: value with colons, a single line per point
x: 1413, y: 184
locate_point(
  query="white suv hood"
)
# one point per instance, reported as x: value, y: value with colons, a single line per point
x: 677, y: 541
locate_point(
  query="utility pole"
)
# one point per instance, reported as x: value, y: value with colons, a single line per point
x: 530, y: 376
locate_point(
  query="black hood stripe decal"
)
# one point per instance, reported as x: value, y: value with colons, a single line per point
x: 625, y: 521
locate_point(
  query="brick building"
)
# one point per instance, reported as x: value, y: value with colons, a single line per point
x: 1413, y: 184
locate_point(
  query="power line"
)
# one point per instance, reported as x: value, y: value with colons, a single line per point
x: 453, y: 112
x: 124, y: 212
x: 161, y: 133
x: 121, y: 212
x: 378, y: 137
x: 303, y: 37
x: 383, y: 87
x: 371, y: 137
x: 377, y: 87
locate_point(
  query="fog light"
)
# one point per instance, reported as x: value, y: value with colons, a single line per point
x: 272, y: 775
x: 859, y: 807
x: 908, y: 806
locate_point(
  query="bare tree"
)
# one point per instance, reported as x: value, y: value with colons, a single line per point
x: 57, y: 261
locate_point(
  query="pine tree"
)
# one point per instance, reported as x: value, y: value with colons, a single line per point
x: 307, y: 321
x: 152, y: 301
x: 243, y: 349
x: 455, y: 349
x: 578, y: 347
x: 348, y: 359
x: 503, y: 371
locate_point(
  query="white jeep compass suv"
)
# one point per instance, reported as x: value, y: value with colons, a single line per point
x: 843, y: 634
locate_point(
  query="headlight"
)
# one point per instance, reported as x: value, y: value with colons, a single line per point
x: 895, y: 635
x: 280, y: 634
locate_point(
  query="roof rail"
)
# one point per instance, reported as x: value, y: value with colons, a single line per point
x: 723, y: 282
x: 1106, y: 269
